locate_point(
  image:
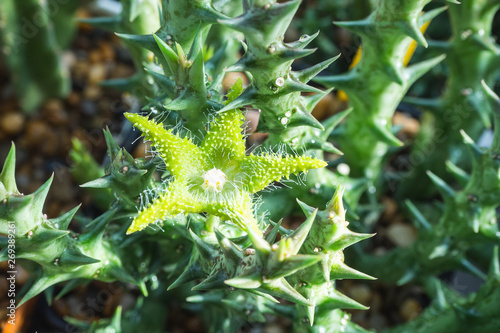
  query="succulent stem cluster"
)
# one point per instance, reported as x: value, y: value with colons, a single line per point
x: 62, y: 255
x: 191, y: 217
x: 468, y: 223
x: 386, y: 35
x: 37, y: 27
x: 472, y: 56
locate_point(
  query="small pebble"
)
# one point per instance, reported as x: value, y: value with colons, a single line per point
x: 273, y: 328
x: 121, y: 70
x: 231, y: 77
x: 92, y: 92
x: 95, y: 56
x: 361, y: 293
x: 97, y: 73
x: 73, y: 99
x: 403, y: 235
x: 410, y: 309
x: 21, y: 276
x: 411, y: 126
x: 12, y: 123
x: 390, y: 209
x: 54, y: 113
x: 379, y: 251
x: 107, y: 51
x: 36, y: 131
x: 69, y: 59
x: 327, y: 106
x: 80, y: 70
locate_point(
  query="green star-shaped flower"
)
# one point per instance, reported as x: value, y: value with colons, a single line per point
x: 216, y: 177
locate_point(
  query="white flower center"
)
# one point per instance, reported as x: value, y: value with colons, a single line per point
x: 214, y: 180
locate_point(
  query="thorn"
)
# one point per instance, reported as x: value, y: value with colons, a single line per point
x: 304, y: 118
x: 248, y: 96
x: 476, y: 150
x: 444, y: 189
x: 283, y: 267
x: 169, y: 55
x: 426, y: 103
x: 485, y: 44
x: 213, y: 281
x: 206, y: 250
x: 167, y: 84
x: 336, y: 204
x: 281, y: 288
x: 40, y: 195
x: 296, y: 239
x: 180, y: 103
x: 312, y: 100
x: 412, y: 30
x: 311, y: 311
x: 303, y: 41
x: 231, y: 250
x: 145, y: 41
x: 244, y: 282
x: 431, y: 14
x: 383, y: 134
x: 419, y: 218
x: 337, y: 300
x: 262, y: 248
x: 308, y: 210
x: 8, y: 174
x: 440, y: 251
x: 347, y: 239
x: 394, y: 73
x: 307, y: 74
x: 359, y: 27
x: 271, y: 236
x: 440, y: 298
x: 192, y: 272
x: 416, y: 71
x: 103, y: 182
x: 294, y: 85
x: 342, y: 271
x: 106, y: 23
x: 95, y: 229
x: 342, y: 81
x: 407, y: 277
x: 469, y: 267
x: 495, y: 264
x: 460, y: 175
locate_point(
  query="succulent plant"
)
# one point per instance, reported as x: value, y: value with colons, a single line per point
x: 386, y: 35
x: 61, y: 254
x: 37, y: 27
x: 450, y: 312
x: 464, y: 105
x: 469, y: 219
x: 215, y: 177
x: 194, y: 225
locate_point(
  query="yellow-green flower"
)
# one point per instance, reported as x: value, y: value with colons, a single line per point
x: 216, y: 177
